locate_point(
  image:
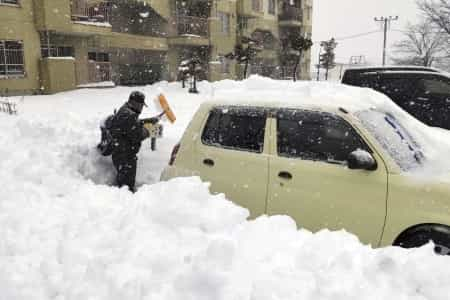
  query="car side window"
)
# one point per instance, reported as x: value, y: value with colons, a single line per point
x: 401, y: 90
x: 434, y: 86
x: 316, y: 136
x: 235, y: 128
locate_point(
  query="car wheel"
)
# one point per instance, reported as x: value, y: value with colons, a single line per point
x: 420, y: 238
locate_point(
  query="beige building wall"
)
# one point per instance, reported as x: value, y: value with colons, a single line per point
x: 222, y: 42
x: 17, y: 23
x: 24, y: 22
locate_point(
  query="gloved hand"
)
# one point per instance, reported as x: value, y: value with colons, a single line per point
x: 145, y: 133
x: 153, y: 120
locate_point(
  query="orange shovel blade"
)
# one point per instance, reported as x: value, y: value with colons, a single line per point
x: 166, y: 108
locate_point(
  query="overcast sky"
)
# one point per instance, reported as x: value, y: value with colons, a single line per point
x: 342, y: 18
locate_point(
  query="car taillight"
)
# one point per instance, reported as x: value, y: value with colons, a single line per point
x: 174, y: 154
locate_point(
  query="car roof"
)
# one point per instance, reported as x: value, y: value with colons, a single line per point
x: 392, y: 68
x: 406, y: 72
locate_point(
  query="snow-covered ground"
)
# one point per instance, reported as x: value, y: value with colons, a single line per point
x: 66, y: 234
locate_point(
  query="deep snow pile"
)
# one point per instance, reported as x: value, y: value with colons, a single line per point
x: 66, y: 234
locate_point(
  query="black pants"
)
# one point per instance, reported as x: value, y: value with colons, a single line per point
x: 125, y: 165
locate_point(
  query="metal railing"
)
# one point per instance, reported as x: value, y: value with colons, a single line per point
x: 290, y: 13
x: 138, y: 74
x: 8, y: 107
x: 287, y: 72
x: 266, y: 71
x: 82, y: 10
x: 192, y: 25
x: 99, y: 71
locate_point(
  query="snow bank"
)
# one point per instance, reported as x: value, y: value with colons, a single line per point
x: 66, y: 234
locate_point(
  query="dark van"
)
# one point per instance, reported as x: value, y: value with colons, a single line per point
x: 423, y: 92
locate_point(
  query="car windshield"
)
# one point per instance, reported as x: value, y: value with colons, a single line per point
x: 393, y: 137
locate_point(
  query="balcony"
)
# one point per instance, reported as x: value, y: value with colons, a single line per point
x: 190, y: 30
x: 91, y: 11
x: 290, y: 16
x: 188, y: 25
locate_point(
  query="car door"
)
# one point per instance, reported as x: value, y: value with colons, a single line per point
x: 310, y: 181
x: 231, y: 155
x: 433, y: 91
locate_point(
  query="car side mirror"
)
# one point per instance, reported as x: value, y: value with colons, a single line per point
x: 361, y: 160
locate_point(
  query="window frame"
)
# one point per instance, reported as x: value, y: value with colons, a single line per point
x: 56, y: 50
x: 257, y: 6
x: 355, y: 131
x: 5, y: 65
x: 17, y: 4
x: 99, y: 56
x: 264, y: 112
x: 272, y: 7
x: 225, y: 22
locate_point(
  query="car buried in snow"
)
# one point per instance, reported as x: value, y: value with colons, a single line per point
x: 325, y: 167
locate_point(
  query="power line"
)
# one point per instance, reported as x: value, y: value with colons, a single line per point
x: 357, y: 35
x: 353, y: 36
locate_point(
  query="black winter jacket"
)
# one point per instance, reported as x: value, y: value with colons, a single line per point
x: 128, y: 131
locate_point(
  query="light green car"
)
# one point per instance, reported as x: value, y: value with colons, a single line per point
x: 326, y: 168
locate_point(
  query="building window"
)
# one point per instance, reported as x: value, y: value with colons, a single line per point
x: 98, y: 56
x: 256, y: 5
x: 272, y: 7
x: 242, y: 23
x: 48, y: 49
x: 224, y: 22
x: 57, y: 51
x: 9, y: 2
x: 11, y: 58
x: 224, y: 65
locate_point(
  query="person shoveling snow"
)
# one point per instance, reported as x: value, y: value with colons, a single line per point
x: 123, y: 133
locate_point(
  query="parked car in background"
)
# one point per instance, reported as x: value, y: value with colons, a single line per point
x: 324, y: 167
x: 423, y: 92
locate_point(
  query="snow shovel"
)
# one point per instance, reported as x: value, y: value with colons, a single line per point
x: 165, y: 108
x: 152, y: 124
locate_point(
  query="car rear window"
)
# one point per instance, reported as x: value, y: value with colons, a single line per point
x: 235, y: 128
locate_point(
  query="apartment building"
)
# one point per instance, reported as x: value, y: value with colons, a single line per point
x: 48, y: 46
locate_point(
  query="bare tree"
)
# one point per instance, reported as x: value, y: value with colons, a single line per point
x: 437, y: 12
x: 422, y: 45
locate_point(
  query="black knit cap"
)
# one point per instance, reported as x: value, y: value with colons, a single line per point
x: 137, y: 97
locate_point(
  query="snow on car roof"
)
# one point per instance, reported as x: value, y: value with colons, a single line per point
x: 261, y: 91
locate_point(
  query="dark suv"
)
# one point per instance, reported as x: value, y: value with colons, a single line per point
x: 423, y: 92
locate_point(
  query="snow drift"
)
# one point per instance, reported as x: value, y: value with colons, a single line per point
x: 66, y: 234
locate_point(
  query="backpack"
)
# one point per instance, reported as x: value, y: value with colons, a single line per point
x: 107, y: 143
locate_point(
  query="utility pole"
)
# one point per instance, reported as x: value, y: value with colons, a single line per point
x: 386, y: 22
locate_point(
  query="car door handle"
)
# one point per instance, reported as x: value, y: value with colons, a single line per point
x: 285, y: 175
x: 208, y: 162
